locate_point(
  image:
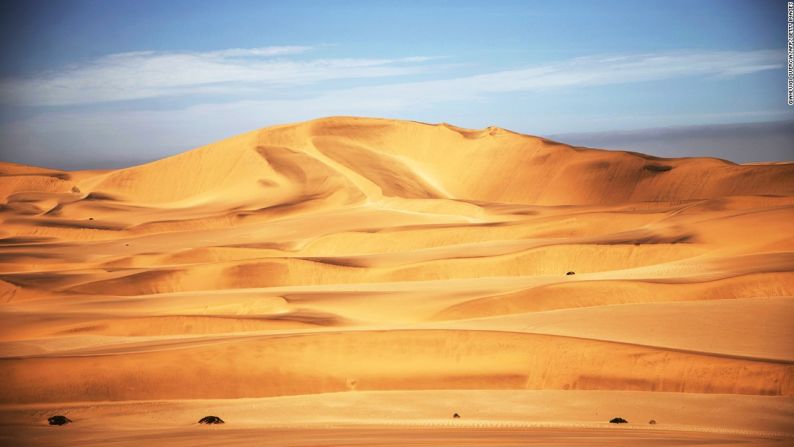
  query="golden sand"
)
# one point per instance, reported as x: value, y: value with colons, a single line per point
x: 352, y: 276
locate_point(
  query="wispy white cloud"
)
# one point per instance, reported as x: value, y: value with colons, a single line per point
x: 602, y: 70
x: 262, y: 51
x: 148, y: 74
x: 584, y: 72
x: 262, y: 71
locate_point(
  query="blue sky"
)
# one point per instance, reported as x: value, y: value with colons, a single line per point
x: 109, y: 83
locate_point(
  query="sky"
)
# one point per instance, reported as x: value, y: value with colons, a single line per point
x: 100, y: 84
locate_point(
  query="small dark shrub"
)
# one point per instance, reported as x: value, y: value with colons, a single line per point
x: 211, y: 420
x: 59, y: 420
x: 618, y: 421
x: 570, y: 273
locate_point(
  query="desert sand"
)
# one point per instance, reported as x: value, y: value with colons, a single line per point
x: 356, y: 281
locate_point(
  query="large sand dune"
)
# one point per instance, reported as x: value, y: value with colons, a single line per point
x: 367, y: 257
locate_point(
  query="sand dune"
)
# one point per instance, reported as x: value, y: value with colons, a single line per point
x: 363, y: 257
x: 393, y: 360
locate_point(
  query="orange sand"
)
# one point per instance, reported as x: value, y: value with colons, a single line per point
x: 353, y: 272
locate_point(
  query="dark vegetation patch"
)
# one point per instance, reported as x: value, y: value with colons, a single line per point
x: 59, y: 420
x: 658, y: 168
x: 210, y: 420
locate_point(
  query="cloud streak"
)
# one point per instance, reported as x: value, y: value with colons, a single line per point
x: 149, y: 74
x: 583, y: 72
x: 259, y: 71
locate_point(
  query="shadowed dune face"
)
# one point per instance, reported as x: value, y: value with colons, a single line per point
x: 352, y: 254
